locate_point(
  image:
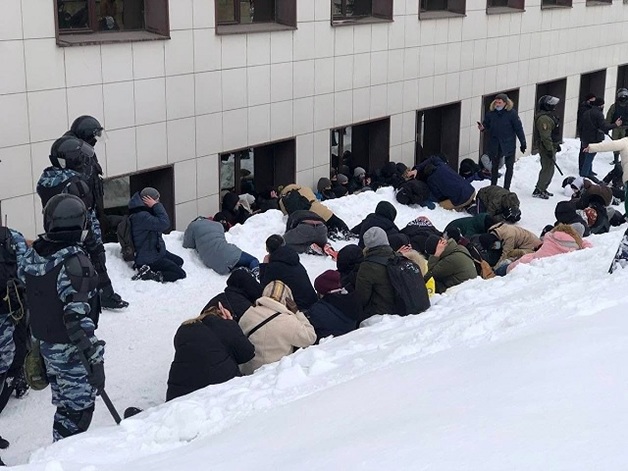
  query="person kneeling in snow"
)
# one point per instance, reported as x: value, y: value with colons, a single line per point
x: 208, y: 350
x: 208, y: 238
x: 450, y: 264
x: 275, y: 326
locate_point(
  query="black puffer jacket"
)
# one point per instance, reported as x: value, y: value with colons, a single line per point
x: 335, y: 314
x: 284, y: 265
x: 207, y: 352
x: 593, y: 126
x: 383, y: 217
x: 348, y: 263
x: 240, y: 294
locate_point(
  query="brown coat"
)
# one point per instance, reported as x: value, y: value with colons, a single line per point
x: 514, y: 237
x: 278, y: 337
x: 317, y: 207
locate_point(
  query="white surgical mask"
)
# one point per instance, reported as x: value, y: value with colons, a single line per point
x: 499, y: 108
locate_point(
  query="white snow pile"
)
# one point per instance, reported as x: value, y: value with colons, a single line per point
x: 515, y: 373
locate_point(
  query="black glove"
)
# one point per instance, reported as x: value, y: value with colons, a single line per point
x: 558, y: 148
x: 522, y: 149
x: 96, y: 377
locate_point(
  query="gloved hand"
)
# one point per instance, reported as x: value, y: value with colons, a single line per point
x: 96, y: 377
x: 522, y: 149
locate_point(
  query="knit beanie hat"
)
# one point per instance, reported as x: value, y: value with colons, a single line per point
x: 150, y: 191
x: 578, y: 227
x: 501, y: 96
x: 387, y: 210
x: 358, y: 172
x: 274, y: 242
x: 342, y: 179
x: 375, y: 237
x: 396, y: 241
x: 327, y: 281
x: 598, y: 102
x: 323, y: 184
x: 278, y: 291
x: 430, y: 244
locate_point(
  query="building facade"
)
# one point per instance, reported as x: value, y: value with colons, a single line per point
x: 202, y: 95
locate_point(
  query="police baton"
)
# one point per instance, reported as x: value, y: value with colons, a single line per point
x: 103, y: 393
x: 558, y: 168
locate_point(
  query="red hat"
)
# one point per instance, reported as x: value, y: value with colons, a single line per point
x: 327, y: 281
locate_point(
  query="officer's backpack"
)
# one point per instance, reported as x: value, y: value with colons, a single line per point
x: 411, y: 295
x: 295, y: 201
x: 11, y: 292
x: 126, y: 239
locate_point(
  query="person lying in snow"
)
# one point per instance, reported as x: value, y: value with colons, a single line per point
x: 208, y: 350
x: 513, y: 238
x: 447, y: 187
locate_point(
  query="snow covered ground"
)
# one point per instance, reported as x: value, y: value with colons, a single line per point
x: 521, y: 372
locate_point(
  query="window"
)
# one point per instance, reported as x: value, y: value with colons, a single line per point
x: 351, y: 11
x: 556, y: 3
x: 591, y: 3
x: 98, y: 21
x: 504, y: 6
x: 365, y: 145
x: 441, y: 8
x: 244, y: 16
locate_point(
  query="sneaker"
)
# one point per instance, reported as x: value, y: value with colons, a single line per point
x: 315, y: 249
x: 548, y: 193
x: 329, y: 250
x: 539, y: 194
x: 4, y: 444
x: 141, y: 272
x: 146, y: 274
x: 113, y: 302
x: 255, y: 272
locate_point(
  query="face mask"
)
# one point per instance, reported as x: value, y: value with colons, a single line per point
x: 499, y: 108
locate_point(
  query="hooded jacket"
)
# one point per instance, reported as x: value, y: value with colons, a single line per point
x: 147, y: 227
x: 514, y: 237
x: 206, y: 352
x: 348, y: 263
x: 277, y: 338
x: 284, y: 265
x: 444, y: 183
x: 373, y: 286
x: 241, y: 292
x: 565, y: 213
x: 454, y: 266
x: 383, y: 217
x: 558, y: 241
x: 208, y: 238
x: 234, y: 215
x: 469, y: 226
x: 497, y: 199
x: 502, y: 127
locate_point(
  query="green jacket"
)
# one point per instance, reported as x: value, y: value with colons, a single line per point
x: 453, y: 267
x: 372, y: 284
x: 614, y: 112
x: 472, y: 225
x: 544, y: 125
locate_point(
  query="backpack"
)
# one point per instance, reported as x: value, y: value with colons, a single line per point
x: 126, y: 239
x: 405, y: 276
x: 481, y: 266
x: 295, y: 201
x: 11, y: 289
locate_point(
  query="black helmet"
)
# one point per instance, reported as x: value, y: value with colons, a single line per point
x: 548, y: 102
x: 64, y: 213
x: 70, y: 152
x: 622, y: 94
x: 87, y: 128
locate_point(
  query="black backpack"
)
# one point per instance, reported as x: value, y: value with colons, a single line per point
x: 11, y: 292
x: 126, y: 239
x: 295, y: 201
x: 407, y: 281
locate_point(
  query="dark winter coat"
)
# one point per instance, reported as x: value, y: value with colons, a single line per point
x: 444, y: 183
x: 419, y: 234
x: 234, y: 215
x: 469, y: 226
x: 348, y: 263
x: 207, y: 352
x: 495, y: 200
x: 582, y: 109
x: 373, y: 286
x: 147, y: 227
x: 502, y: 127
x: 565, y: 213
x: 335, y: 314
x: 413, y: 192
x: 383, y: 217
x: 593, y: 126
x: 208, y: 238
x: 240, y: 294
x: 283, y: 264
x: 454, y: 266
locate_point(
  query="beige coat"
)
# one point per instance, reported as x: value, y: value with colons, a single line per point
x: 514, y: 237
x: 317, y: 207
x: 621, y: 146
x: 278, y: 337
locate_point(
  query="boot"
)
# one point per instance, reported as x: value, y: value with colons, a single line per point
x: 109, y: 299
x: 4, y: 444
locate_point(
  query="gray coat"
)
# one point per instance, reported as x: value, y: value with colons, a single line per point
x: 208, y: 238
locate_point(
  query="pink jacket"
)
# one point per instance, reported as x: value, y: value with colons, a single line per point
x: 554, y: 243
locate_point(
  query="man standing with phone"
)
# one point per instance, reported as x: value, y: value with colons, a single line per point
x: 503, y: 126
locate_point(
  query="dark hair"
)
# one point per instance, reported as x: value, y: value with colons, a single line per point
x: 274, y: 242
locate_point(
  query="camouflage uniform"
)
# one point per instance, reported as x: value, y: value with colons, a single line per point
x: 618, y: 110
x: 547, y: 131
x: 60, y: 320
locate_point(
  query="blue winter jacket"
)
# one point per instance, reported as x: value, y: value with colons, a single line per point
x: 444, y: 183
x: 147, y: 227
x: 502, y: 126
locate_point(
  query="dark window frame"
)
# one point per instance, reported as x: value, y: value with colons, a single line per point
x: 282, y: 16
x: 552, y: 4
x: 376, y: 11
x: 496, y: 7
x: 156, y: 27
x: 593, y: 3
x: 429, y: 9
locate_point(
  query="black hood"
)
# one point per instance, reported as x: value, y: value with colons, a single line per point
x: 349, y: 258
x: 285, y: 254
x: 565, y: 212
x: 244, y: 282
x: 387, y: 210
x: 388, y: 170
x: 229, y: 201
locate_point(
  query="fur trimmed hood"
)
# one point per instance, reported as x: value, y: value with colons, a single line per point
x: 509, y: 105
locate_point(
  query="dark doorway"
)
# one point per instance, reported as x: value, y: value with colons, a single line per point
x: 622, y: 77
x: 365, y: 145
x: 593, y: 82
x: 118, y: 191
x: 438, y: 132
x: 555, y: 88
x: 485, y: 137
x: 257, y: 168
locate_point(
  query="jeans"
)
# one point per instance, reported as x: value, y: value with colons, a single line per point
x: 170, y: 267
x: 587, y: 165
x: 247, y: 260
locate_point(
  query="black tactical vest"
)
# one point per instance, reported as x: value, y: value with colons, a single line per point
x: 46, y: 309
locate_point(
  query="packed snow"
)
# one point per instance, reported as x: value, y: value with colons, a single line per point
x: 521, y: 372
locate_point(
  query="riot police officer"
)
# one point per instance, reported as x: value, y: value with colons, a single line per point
x: 547, y: 132
x: 63, y: 297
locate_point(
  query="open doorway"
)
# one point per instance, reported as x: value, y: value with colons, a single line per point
x: 365, y: 145
x: 485, y: 137
x: 622, y: 77
x: 555, y: 88
x: 438, y: 132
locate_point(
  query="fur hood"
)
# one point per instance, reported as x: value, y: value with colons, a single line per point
x: 509, y: 105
